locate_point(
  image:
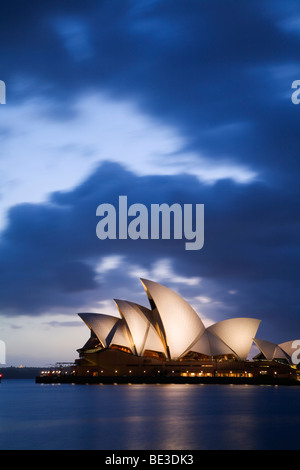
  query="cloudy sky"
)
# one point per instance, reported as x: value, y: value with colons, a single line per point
x: 164, y: 101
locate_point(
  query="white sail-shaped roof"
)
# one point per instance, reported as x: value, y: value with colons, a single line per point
x: 217, y: 346
x: 156, y: 321
x: 101, y: 325
x: 172, y: 327
x: 237, y: 334
x: 281, y: 354
x: 210, y: 345
x: 266, y: 347
x: 201, y: 345
x: 289, y: 348
x: 153, y: 342
x: 142, y: 331
x: 277, y: 351
x: 181, y: 325
x: 121, y: 336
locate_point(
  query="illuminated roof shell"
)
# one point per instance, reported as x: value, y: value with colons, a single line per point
x: 237, y: 334
x: 289, y: 347
x: 278, y: 351
x: 101, y: 325
x: 120, y: 335
x: 210, y: 345
x: 178, y: 322
x: 266, y: 347
x: 143, y: 334
x: 173, y: 328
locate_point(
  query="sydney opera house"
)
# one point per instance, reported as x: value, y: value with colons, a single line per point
x: 168, y: 341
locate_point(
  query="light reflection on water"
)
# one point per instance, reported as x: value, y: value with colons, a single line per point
x: 168, y: 417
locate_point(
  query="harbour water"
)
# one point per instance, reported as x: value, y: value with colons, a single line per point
x: 145, y: 417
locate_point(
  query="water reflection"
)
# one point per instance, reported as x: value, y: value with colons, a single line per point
x: 167, y: 417
x: 201, y: 417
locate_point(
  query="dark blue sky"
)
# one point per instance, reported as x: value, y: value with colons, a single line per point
x: 184, y: 101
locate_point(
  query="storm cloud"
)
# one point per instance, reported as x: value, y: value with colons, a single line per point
x: 219, y: 74
x: 51, y: 255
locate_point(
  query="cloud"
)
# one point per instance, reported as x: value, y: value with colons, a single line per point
x: 222, y: 90
x: 51, y: 257
x: 74, y: 33
x: 214, y: 81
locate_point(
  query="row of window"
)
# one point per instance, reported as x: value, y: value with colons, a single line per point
x: 217, y: 374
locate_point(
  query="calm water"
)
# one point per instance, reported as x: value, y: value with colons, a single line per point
x: 118, y: 417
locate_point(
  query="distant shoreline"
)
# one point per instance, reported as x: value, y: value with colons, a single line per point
x: 12, y: 372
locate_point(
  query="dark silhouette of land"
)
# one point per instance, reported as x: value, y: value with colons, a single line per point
x: 20, y: 372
